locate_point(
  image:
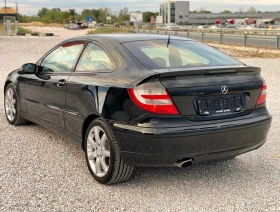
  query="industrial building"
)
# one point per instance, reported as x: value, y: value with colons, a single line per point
x: 178, y: 12
x: 175, y: 11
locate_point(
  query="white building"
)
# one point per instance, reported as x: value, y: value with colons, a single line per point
x: 175, y: 11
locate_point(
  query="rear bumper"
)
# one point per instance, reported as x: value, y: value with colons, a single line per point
x: 164, y: 146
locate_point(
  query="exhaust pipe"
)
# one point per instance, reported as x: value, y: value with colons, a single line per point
x: 183, y: 163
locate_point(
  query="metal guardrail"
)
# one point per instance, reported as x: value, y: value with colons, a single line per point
x: 221, y: 37
x: 236, y: 31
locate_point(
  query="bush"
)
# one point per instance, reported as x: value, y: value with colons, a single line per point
x: 22, y: 30
x: 103, y: 30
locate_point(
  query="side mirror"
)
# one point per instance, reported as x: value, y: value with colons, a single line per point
x: 29, y: 68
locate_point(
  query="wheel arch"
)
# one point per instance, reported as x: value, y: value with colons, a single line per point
x: 86, y: 124
x: 6, y: 84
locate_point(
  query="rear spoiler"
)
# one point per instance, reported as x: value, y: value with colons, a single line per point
x: 207, y: 71
x: 195, y: 71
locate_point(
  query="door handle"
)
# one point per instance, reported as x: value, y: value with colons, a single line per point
x: 61, y: 83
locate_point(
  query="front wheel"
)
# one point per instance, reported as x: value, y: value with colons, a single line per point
x: 103, y: 154
x: 12, y: 108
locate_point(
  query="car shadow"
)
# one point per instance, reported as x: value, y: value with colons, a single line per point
x: 222, y: 172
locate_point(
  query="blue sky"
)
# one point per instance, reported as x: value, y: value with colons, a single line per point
x: 31, y: 7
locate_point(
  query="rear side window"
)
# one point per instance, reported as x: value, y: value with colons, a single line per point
x: 63, y: 58
x: 94, y: 59
x: 155, y: 54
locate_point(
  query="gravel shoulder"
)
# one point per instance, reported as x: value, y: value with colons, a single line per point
x: 240, y: 51
x: 40, y: 171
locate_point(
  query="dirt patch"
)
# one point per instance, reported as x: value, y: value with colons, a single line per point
x: 41, y: 24
x: 239, y: 51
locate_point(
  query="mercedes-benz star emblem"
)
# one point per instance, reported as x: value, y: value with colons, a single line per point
x: 224, y: 89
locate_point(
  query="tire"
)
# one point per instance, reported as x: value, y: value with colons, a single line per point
x: 111, y: 169
x: 49, y: 34
x: 11, y: 101
x: 21, y: 34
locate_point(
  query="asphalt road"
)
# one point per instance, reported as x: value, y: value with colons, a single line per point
x: 41, y: 171
x: 254, y: 40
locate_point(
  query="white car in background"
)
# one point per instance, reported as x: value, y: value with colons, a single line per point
x: 171, y: 27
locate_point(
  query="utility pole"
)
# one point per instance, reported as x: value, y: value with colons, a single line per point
x: 17, y: 10
x: 5, y: 15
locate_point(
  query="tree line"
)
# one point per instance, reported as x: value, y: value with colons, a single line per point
x: 56, y: 15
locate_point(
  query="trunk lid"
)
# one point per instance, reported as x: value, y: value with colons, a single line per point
x: 213, y: 93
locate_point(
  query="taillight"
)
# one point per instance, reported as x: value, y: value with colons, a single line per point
x: 262, y: 97
x: 153, y: 97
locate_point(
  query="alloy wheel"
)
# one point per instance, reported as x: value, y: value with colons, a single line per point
x: 10, y: 104
x: 98, y: 151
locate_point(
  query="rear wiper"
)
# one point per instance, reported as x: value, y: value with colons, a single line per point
x: 168, y: 41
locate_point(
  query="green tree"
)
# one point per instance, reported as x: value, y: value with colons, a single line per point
x: 252, y: 10
x: 72, y: 13
x: 147, y: 16
x: 103, y: 13
x: 203, y: 10
x: 94, y: 13
x: 226, y: 11
x: 241, y: 10
x: 42, y: 12
x: 27, y: 19
x: 123, y: 15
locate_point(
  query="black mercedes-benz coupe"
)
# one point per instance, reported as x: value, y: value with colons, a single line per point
x: 142, y: 100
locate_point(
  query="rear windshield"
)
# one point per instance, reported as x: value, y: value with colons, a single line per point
x: 155, y: 54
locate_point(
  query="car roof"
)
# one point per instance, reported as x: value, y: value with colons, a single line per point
x: 122, y: 38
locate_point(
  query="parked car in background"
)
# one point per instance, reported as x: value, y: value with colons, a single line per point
x: 82, y: 25
x: 230, y: 26
x: 73, y: 26
x: 214, y: 27
x: 99, y: 24
x: 117, y: 25
x: 171, y: 27
x: 251, y: 26
x: 146, y: 26
x: 185, y: 27
x: 239, y: 26
x: 66, y: 26
x: 159, y: 26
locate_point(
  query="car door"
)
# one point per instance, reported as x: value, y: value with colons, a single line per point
x: 87, y: 86
x: 45, y: 90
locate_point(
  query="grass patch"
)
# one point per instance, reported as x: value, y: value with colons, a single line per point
x: 22, y: 30
x: 103, y: 30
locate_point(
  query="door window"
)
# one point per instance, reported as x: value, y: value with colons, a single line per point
x: 63, y: 58
x: 94, y: 59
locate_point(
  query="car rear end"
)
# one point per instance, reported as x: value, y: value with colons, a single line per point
x: 200, y: 105
x: 173, y: 27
